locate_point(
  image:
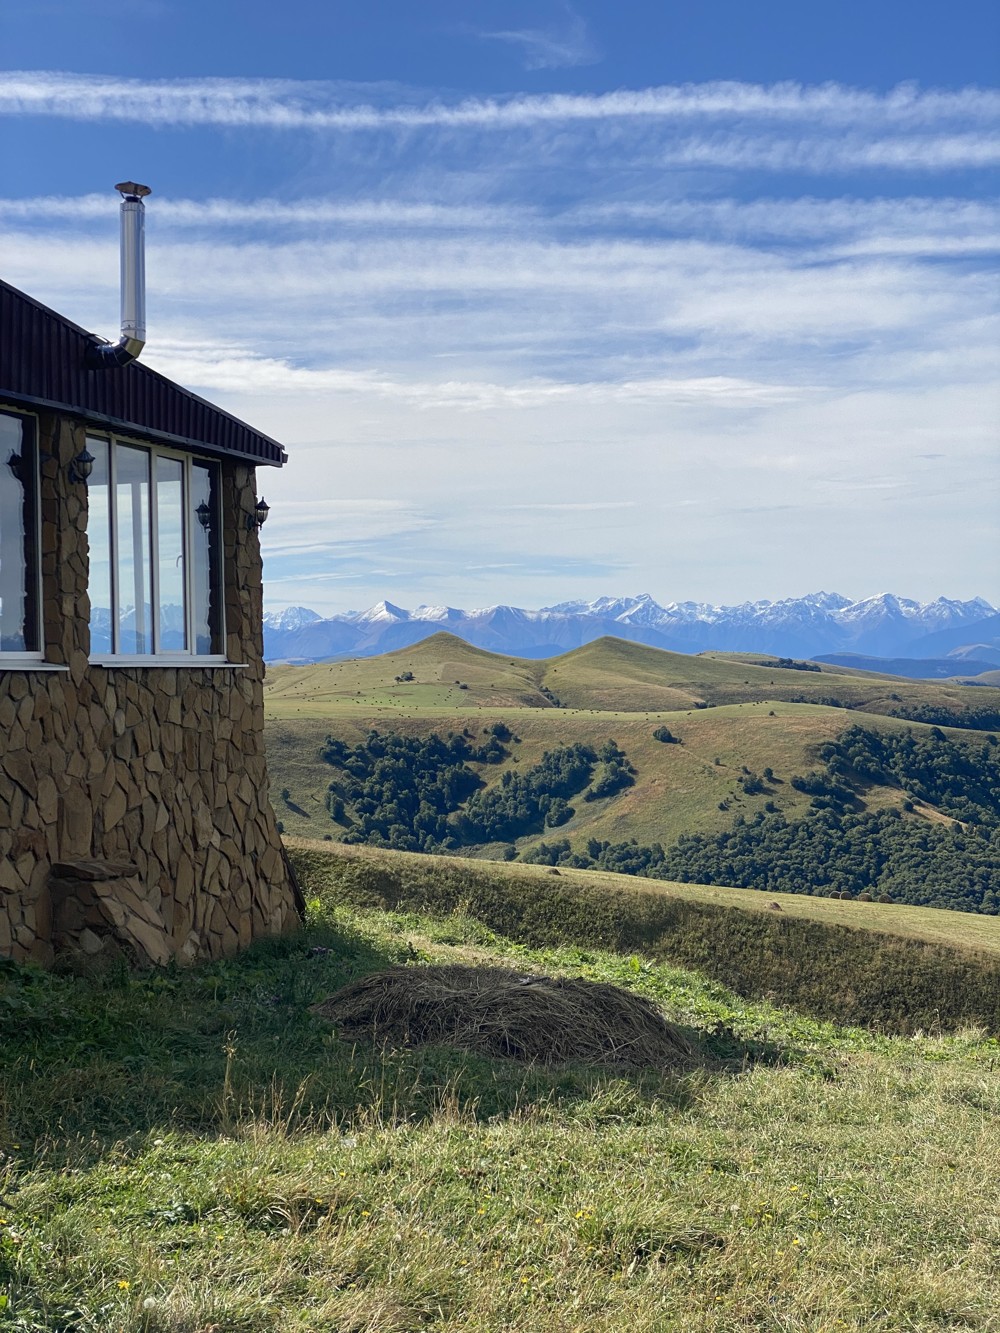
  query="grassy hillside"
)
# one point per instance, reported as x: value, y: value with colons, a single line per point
x: 895, y: 967
x: 678, y: 788
x: 711, y: 746
x: 198, y: 1151
x: 608, y: 675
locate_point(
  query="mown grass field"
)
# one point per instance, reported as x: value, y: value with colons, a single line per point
x: 193, y: 1152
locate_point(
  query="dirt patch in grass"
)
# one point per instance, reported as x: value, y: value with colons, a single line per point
x: 497, y: 1012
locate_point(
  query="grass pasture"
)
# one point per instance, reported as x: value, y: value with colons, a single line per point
x: 186, y: 1152
x: 678, y: 788
x: 894, y: 968
x: 755, y: 717
x: 608, y: 676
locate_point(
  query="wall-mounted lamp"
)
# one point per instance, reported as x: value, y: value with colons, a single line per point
x: 204, y: 514
x: 16, y: 464
x: 259, y: 516
x: 81, y: 467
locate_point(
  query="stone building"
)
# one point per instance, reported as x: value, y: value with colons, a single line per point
x: 134, y: 807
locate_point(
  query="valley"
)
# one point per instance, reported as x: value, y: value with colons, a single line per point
x: 746, y: 737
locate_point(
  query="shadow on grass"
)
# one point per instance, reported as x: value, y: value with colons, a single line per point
x: 95, y: 1060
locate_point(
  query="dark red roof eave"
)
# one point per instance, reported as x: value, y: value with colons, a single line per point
x: 43, y: 364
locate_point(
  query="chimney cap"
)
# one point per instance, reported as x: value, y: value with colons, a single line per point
x: 129, y: 189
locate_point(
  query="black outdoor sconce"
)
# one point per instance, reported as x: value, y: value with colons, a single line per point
x: 259, y: 516
x: 81, y: 467
x: 204, y: 514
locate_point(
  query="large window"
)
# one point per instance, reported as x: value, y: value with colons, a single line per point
x: 19, y: 586
x: 155, y: 567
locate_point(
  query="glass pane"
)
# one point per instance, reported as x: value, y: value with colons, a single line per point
x: 133, y: 571
x: 18, y: 555
x: 206, y: 564
x: 99, y: 539
x: 171, y: 567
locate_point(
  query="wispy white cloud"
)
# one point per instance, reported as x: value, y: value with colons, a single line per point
x: 956, y: 223
x: 470, y: 355
x: 820, y: 154
x: 236, y: 371
x: 285, y: 104
x: 561, y: 45
x: 255, y: 213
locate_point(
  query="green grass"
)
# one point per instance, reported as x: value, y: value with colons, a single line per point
x: 617, y: 690
x: 186, y: 1152
x: 608, y: 676
x: 678, y: 788
x: 893, y: 968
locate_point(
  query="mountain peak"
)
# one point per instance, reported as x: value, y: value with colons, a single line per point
x: 382, y: 611
x: 884, y: 625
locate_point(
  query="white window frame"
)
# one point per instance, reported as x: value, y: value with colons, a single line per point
x: 34, y: 660
x: 173, y: 658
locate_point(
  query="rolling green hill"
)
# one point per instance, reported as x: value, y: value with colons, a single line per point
x: 610, y: 690
x: 608, y: 675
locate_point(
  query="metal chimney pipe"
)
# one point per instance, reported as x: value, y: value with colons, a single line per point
x: 102, y: 355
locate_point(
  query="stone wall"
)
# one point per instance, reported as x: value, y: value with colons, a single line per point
x: 161, y: 768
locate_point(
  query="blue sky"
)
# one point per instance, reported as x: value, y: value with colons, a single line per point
x: 550, y: 300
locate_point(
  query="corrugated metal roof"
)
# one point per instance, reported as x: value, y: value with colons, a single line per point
x: 42, y: 363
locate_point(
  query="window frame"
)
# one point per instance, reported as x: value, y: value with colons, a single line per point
x: 187, y: 657
x: 33, y: 658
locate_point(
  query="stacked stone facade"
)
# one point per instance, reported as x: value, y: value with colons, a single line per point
x: 157, y: 771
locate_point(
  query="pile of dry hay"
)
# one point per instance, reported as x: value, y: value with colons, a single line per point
x: 497, y: 1012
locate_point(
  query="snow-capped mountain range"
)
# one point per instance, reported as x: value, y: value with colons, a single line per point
x: 817, y: 625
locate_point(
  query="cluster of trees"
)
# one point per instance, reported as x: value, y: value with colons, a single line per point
x: 522, y: 803
x: 401, y: 789
x: 961, y: 778
x: 614, y: 775
x: 420, y: 793
x: 827, y: 853
x: 423, y: 794
x: 835, y: 849
x: 789, y: 664
x: 832, y: 851
x: 940, y: 715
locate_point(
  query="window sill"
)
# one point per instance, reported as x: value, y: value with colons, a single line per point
x: 163, y: 661
x: 29, y: 664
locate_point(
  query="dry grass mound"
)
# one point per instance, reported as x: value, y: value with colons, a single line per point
x: 494, y: 1011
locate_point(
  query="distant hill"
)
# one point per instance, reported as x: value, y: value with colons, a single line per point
x: 916, y: 668
x: 621, y: 756
x: 818, y: 624
x: 961, y: 639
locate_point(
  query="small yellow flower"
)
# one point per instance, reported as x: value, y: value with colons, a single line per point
x: 538, y: 1221
x: 123, y: 1285
x: 365, y: 1212
x: 480, y: 1211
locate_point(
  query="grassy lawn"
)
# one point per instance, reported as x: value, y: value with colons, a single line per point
x: 194, y: 1152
